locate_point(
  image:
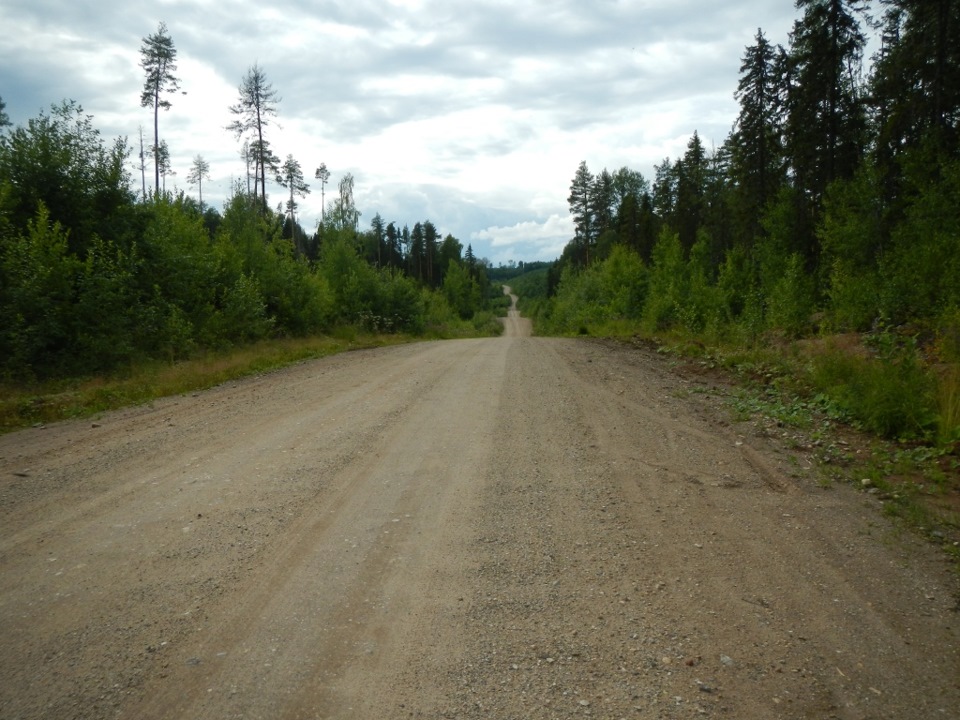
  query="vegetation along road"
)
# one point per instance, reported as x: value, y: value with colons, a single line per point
x: 515, y: 527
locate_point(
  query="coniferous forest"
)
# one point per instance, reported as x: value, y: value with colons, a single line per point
x: 832, y: 209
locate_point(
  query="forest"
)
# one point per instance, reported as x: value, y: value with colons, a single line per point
x: 96, y: 276
x: 828, y: 219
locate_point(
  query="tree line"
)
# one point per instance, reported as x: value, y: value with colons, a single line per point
x: 830, y: 207
x: 95, y: 276
x: 832, y: 202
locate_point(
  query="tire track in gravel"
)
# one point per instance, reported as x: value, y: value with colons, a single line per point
x: 330, y: 599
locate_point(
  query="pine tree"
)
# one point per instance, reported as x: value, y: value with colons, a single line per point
x: 291, y: 177
x: 602, y: 202
x: 394, y: 251
x: 431, y: 241
x: 665, y: 191
x: 323, y: 175
x: 256, y: 105
x: 158, y: 59
x: 379, y: 234
x: 164, y: 165
x: 416, y: 256
x: 199, y: 172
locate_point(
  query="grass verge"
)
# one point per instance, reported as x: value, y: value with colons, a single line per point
x: 36, y: 404
x: 24, y: 405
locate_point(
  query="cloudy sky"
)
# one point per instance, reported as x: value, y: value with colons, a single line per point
x: 473, y: 114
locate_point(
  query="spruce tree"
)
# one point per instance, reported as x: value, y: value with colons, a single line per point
x: 825, y: 131
x: 755, y: 145
x: 826, y: 118
x: 691, y: 173
x: 916, y: 82
x: 581, y: 189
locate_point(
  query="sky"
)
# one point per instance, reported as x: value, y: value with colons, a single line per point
x: 474, y: 115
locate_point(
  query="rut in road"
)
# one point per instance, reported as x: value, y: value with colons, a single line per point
x: 514, y: 527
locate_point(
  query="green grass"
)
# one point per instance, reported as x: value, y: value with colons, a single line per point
x: 25, y: 405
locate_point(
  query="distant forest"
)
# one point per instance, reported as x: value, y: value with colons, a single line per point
x: 833, y: 206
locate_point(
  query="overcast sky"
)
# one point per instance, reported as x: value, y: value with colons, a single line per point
x: 474, y: 114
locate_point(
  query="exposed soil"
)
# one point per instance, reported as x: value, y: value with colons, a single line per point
x: 515, y: 527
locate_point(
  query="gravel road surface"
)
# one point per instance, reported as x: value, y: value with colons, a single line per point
x: 515, y: 527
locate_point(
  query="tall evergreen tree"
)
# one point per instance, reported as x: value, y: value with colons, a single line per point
x: 691, y: 173
x: 165, y: 165
x: 916, y: 82
x: 826, y: 123
x: 256, y: 105
x: 392, y: 239
x: 449, y: 251
x: 4, y: 118
x: 664, y: 190
x: 757, y: 164
x: 158, y: 59
x: 323, y: 175
x: 416, y: 256
x: 291, y: 177
x: 431, y: 242
x: 378, y: 233
x: 581, y: 189
x: 824, y: 134
x: 199, y: 171
x: 602, y: 202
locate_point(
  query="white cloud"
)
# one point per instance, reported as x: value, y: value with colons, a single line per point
x: 474, y: 115
x: 527, y: 240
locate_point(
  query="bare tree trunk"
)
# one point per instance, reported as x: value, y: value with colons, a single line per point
x: 156, y: 139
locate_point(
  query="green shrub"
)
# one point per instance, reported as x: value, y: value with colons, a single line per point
x: 38, y: 277
x: 888, y: 391
x: 669, y: 284
x: 791, y: 301
x: 243, y: 314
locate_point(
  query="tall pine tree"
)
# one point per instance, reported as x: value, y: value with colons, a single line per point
x: 256, y: 105
x: 158, y: 58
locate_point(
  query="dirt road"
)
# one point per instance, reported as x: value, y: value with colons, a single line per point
x: 514, y: 527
